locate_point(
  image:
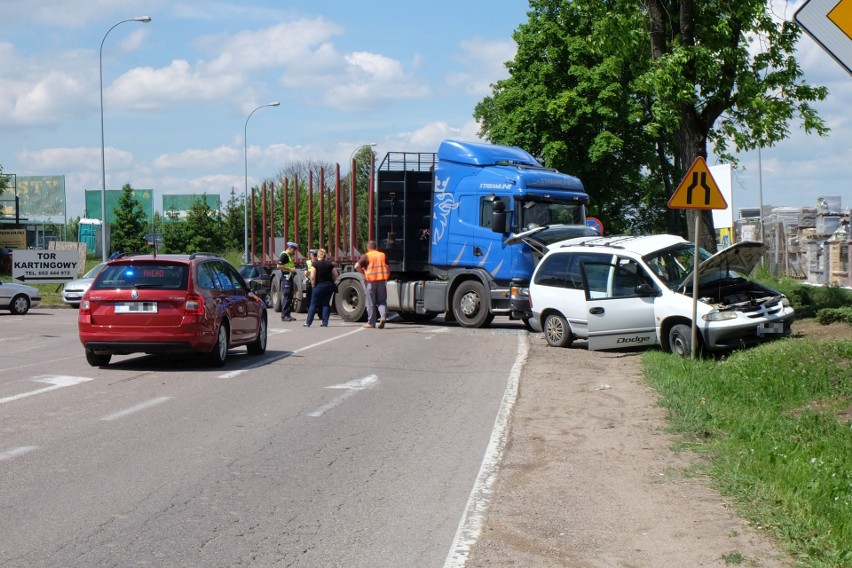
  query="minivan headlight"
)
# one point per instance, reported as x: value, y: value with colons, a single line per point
x: 720, y: 316
x: 785, y: 302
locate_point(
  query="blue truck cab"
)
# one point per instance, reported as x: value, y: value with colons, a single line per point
x: 464, y: 228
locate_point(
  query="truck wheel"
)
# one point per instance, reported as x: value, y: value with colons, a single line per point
x: 470, y: 305
x: 680, y: 340
x: 350, y: 300
x: 557, y: 332
x: 275, y: 293
x: 300, y: 306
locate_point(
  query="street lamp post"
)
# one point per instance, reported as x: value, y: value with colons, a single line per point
x: 144, y: 20
x: 245, y: 154
x: 352, y: 224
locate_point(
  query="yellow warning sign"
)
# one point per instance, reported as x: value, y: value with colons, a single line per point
x: 698, y: 190
x: 841, y: 15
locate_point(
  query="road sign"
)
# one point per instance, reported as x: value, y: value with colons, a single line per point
x: 595, y: 224
x: 44, y: 266
x: 829, y: 23
x: 698, y: 190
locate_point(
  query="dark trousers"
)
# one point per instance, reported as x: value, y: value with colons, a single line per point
x: 286, y: 296
x: 321, y: 300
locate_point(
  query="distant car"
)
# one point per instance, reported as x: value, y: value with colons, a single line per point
x: 258, y: 279
x: 170, y: 303
x: 631, y: 291
x: 18, y: 298
x: 73, y: 290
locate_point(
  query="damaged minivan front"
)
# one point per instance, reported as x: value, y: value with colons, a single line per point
x: 630, y: 291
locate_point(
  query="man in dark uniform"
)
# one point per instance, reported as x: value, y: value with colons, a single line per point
x: 287, y: 266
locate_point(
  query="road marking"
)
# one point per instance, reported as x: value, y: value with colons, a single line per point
x: 351, y: 388
x: 15, y: 452
x: 56, y: 382
x: 470, y: 526
x: 267, y: 361
x: 128, y: 411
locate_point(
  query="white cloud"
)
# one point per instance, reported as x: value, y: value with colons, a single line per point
x: 485, y: 61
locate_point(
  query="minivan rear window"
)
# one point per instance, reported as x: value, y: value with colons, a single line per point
x: 160, y: 275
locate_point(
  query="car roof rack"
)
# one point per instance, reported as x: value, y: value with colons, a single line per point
x: 201, y: 253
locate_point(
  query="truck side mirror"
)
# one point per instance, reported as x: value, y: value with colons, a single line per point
x: 498, y: 217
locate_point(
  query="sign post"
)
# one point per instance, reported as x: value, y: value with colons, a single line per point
x: 698, y: 190
x: 44, y: 266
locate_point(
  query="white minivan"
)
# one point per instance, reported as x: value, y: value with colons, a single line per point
x: 628, y: 291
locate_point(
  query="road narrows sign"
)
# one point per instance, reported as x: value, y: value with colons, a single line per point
x: 698, y: 190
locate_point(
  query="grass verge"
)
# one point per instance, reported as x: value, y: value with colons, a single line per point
x: 774, y: 424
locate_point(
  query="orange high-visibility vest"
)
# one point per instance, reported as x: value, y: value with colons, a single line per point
x: 377, y: 269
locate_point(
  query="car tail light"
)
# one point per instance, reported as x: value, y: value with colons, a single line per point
x: 194, y: 305
x: 85, y: 312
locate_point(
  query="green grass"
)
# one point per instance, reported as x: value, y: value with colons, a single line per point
x: 769, y: 421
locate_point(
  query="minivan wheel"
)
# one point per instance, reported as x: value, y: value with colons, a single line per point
x: 258, y: 346
x: 557, y: 332
x: 97, y: 360
x: 680, y: 340
x: 220, y: 350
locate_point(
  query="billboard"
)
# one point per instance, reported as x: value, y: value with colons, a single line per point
x: 179, y: 205
x: 41, y: 199
x: 93, y: 202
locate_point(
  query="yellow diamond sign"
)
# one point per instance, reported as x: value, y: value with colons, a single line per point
x: 698, y: 190
x: 829, y: 23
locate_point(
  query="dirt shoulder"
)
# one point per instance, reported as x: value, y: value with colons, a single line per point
x: 589, y: 478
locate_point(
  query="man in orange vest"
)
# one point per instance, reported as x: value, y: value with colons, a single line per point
x: 374, y: 266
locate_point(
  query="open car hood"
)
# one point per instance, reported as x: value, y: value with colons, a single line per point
x: 740, y: 257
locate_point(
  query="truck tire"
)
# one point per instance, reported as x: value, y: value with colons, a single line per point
x: 300, y: 305
x: 275, y: 294
x: 350, y: 300
x: 470, y: 305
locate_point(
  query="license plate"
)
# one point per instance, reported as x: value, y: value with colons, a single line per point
x: 136, y: 307
x: 770, y: 328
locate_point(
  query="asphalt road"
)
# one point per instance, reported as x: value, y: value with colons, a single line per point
x: 340, y: 446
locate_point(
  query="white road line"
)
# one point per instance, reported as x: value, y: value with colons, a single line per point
x: 56, y: 382
x: 238, y: 372
x: 351, y: 387
x: 473, y: 518
x: 15, y: 452
x: 137, y: 408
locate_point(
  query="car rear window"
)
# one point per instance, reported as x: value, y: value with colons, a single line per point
x: 161, y: 275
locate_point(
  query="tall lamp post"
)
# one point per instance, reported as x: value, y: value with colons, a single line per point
x: 245, y: 153
x: 352, y: 234
x: 144, y: 20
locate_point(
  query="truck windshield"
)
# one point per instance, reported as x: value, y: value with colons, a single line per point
x: 542, y: 213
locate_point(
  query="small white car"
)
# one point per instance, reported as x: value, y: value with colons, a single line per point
x: 629, y: 291
x: 73, y: 290
x: 18, y: 298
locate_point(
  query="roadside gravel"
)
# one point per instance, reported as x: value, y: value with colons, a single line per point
x: 589, y: 478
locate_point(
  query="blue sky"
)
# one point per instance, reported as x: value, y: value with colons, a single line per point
x: 177, y: 91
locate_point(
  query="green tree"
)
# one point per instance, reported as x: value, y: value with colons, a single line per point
x: 203, y: 228
x: 588, y: 96
x: 128, y: 229
x: 233, y: 223
x: 4, y: 181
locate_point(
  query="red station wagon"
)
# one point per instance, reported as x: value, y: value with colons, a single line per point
x: 170, y: 303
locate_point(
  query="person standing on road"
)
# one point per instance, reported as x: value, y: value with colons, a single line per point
x: 323, y: 275
x: 312, y: 258
x: 287, y: 266
x: 374, y: 266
